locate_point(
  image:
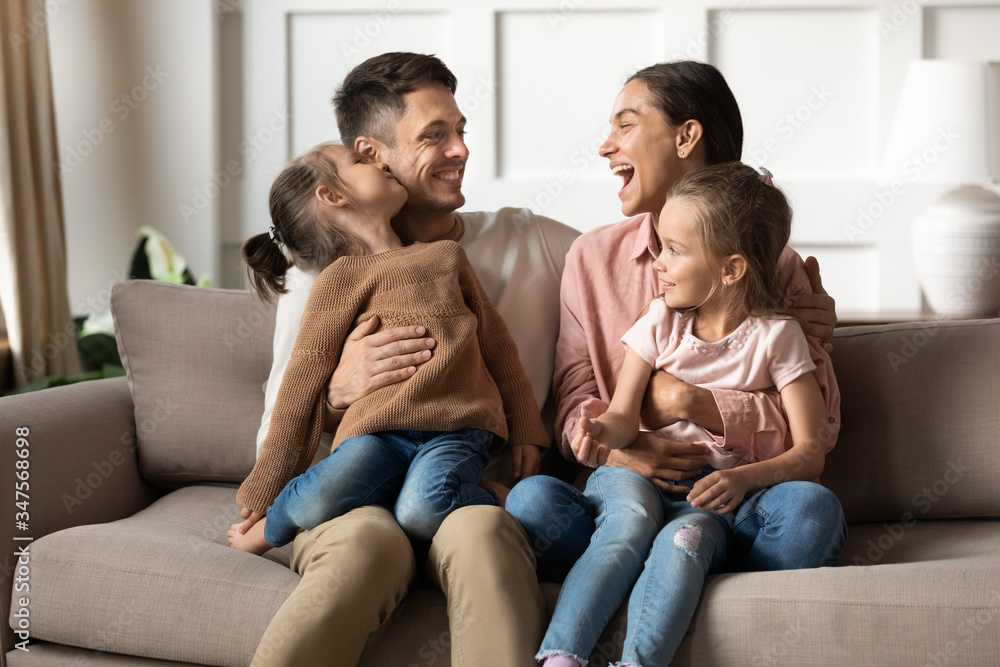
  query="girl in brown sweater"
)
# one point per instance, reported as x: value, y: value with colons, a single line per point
x: 420, y: 445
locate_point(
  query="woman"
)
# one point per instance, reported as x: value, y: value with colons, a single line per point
x: 668, y: 120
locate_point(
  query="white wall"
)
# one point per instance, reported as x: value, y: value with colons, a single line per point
x: 817, y: 81
x: 134, y: 160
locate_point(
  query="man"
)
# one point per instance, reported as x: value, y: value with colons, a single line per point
x: 400, y: 109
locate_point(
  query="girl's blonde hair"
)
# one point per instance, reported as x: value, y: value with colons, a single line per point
x: 309, y: 239
x: 738, y: 213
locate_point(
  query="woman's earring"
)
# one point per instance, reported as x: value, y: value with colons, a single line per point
x: 682, y: 153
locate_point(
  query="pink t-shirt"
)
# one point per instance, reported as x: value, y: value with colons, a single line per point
x: 760, y: 354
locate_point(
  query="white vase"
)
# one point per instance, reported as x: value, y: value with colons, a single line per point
x: 956, y: 244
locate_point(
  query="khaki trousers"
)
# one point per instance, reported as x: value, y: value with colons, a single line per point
x: 358, y: 567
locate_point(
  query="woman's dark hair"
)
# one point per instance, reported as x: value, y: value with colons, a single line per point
x: 371, y: 97
x: 739, y: 214
x: 690, y: 90
x: 310, y: 241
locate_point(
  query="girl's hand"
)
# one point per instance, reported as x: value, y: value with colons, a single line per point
x: 250, y: 517
x: 526, y: 460
x: 720, y: 492
x: 586, y: 444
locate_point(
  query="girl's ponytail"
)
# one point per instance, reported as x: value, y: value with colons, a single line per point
x: 266, y: 266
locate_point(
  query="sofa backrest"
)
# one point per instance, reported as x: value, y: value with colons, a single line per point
x: 920, y: 421
x: 196, y: 361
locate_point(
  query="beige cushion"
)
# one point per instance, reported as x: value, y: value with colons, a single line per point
x: 196, y: 361
x: 163, y: 583
x: 921, y: 416
x: 935, y: 590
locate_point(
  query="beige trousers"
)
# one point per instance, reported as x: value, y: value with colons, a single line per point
x: 357, y: 568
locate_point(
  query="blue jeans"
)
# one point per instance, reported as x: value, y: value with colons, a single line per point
x: 427, y: 474
x: 792, y: 525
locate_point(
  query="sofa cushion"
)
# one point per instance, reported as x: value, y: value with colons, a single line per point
x: 931, y: 597
x: 921, y: 413
x: 163, y: 583
x: 196, y: 380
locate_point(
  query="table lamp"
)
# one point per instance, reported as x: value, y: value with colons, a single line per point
x: 947, y: 132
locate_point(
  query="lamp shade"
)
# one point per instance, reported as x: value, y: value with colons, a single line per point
x: 947, y: 126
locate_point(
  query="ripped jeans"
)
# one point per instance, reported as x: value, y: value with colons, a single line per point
x: 637, y: 524
x: 790, y: 526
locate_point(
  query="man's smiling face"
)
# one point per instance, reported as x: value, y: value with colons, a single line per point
x: 429, y: 153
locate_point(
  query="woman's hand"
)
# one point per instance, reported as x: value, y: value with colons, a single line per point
x: 668, y: 400
x: 817, y: 309
x: 720, y: 492
x: 371, y: 361
x: 587, y: 446
x: 661, y: 461
x: 250, y: 518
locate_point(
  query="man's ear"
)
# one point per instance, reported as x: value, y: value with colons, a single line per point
x: 688, y: 137
x: 327, y: 196
x: 371, y: 148
x: 733, y: 270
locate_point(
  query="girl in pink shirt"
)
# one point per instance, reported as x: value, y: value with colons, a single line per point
x: 719, y: 322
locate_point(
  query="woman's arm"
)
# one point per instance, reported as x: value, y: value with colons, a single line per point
x: 723, y: 490
x: 618, y: 427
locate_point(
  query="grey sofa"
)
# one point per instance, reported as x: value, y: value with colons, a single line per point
x: 133, y: 482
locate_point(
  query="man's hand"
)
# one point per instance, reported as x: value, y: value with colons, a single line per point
x: 668, y: 400
x: 817, y: 309
x: 526, y: 460
x: 661, y: 461
x: 372, y: 361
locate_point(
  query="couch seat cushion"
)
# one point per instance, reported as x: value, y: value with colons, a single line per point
x: 933, y: 593
x: 163, y: 583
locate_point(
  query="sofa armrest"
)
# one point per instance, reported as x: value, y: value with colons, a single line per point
x: 81, y: 463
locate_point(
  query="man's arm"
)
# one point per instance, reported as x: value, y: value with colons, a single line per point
x: 371, y: 361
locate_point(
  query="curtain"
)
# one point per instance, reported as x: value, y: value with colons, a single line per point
x: 33, y: 281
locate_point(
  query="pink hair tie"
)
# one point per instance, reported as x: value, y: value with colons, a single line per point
x: 766, y: 177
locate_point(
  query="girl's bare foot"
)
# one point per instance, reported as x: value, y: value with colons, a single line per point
x: 498, y: 489
x: 252, y: 541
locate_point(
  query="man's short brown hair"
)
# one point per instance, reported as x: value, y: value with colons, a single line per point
x: 371, y: 97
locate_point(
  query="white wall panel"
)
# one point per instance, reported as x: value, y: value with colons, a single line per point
x: 325, y: 46
x: 548, y: 65
x: 808, y: 96
x: 962, y: 33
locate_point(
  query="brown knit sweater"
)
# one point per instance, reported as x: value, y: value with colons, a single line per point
x: 473, y: 380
